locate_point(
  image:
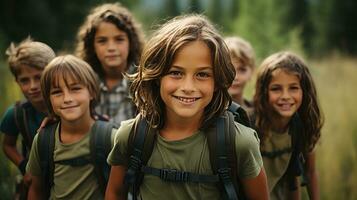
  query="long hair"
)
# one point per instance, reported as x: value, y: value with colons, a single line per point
x: 157, y: 59
x: 69, y: 67
x: 309, y: 112
x: 119, y: 16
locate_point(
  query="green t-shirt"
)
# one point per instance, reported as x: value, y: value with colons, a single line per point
x: 190, y: 154
x: 70, y: 182
x: 275, y: 167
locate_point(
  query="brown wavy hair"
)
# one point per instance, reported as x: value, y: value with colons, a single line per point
x: 122, y: 18
x: 69, y: 67
x: 157, y: 59
x: 309, y: 112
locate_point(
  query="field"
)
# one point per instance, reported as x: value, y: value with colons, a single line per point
x: 336, y: 80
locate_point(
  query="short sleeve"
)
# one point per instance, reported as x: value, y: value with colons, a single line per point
x: 33, y: 165
x: 8, y: 124
x: 249, y: 160
x: 118, y: 154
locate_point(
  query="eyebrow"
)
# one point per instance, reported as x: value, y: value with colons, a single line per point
x: 199, y: 68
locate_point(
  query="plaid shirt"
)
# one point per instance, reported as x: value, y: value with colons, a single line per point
x: 116, y: 103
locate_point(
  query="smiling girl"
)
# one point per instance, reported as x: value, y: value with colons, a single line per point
x: 289, y: 121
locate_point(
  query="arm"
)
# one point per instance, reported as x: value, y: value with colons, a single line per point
x: 116, y: 188
x: 311, y: 173
x: 36, y: 189
x: 257, y: 187
x: 9, y: 147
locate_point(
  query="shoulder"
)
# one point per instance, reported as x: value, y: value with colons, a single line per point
x: 8, y: 124
x: 122, y: 134
x: 245, y: 137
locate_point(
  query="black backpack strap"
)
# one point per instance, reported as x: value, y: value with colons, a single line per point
x: 221, y: 156
x: 21, y: 120
x: 240, y: 115
x: 100, y: 146
x: 173, y: 175
x: 46, y: 143
x: 296, y: 164
x: 140, y: 146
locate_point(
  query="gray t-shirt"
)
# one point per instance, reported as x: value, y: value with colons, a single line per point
x: 189, y: 154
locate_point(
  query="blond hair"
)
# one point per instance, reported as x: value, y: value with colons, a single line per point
x: 28, y: 53
x: 241, y: 50
x: 68, y: 67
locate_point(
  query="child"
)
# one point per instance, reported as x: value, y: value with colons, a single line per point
x: 242, y: 56
x: 180, y: 88
x: 26, y: 61
x: 110, y: 40
x: 70, y: 89
x: 288, y: 120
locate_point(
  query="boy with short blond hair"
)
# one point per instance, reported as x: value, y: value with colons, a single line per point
x: 26, y: 62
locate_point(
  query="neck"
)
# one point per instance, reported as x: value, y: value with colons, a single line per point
x: 80, y: 127
x: 112, y: 81
x: 280, y: 125
x: 238, y: 98
x: 176, y: 129
x: 41, y: 107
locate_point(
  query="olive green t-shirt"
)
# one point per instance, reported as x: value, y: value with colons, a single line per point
x: 70, y: 182
x: 278, y: 144
x: 189, y: 154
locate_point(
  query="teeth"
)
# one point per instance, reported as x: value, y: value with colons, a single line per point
x: 187, y: 100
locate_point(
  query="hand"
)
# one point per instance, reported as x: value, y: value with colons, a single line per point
x: 27, y: 179
x: 45, y: 121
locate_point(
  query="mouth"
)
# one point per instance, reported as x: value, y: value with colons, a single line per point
x: 34, y: 94
x: 285, y: 106
x: 68, y: 107
x: 187, y: 99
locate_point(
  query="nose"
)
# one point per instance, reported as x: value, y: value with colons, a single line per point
x: 285, y: 94
x: 188, y: 85
x: 67, y: 96
x: 34, y: 84
x: 111, y: 45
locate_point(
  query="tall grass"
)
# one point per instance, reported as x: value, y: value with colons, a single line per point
x: 336, y: 79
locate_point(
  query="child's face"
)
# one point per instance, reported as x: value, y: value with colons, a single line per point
x: 111, y: 47
x: 70, y: 103
x: 285, y: 93
x: 243, y: 75
x: 29, y: 81
x: 188, y: 87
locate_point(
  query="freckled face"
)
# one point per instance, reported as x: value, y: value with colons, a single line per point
x: 189, y: 85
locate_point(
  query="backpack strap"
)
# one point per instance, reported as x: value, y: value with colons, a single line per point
x: 21, y: 121
x: 46, y: 143
x: 240, y: 115
x: 221, y: 143
x: 140, y: 147
x: 100, y: 146
x: 296, y: 166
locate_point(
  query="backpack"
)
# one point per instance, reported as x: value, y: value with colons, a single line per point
x: 221, y: 145
x: 21, y: 121
x: 100, y: 146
